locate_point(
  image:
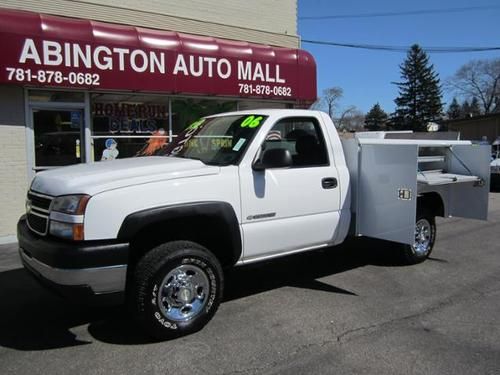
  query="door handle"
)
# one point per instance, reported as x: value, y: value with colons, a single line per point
x: 329, y: 183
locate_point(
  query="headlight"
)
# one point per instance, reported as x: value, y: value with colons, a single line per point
x: 66, y: 216
x: 70, y: 204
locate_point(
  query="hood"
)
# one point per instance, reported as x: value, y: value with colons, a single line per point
x: 107, y: 175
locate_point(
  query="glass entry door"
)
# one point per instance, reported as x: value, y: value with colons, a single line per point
x: 57, y: 137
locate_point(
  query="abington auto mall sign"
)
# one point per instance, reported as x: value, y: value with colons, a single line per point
x: 127, y: 58
x: 55, y: 54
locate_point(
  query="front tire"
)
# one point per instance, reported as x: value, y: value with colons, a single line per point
x: 425, y: 237
x: 176, y: 289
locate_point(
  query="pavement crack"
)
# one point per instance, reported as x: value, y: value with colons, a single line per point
x: 261, y: 369
x: 465, y: 294
x: 344, y: 336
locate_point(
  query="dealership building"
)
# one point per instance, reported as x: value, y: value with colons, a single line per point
x: 86, y: 81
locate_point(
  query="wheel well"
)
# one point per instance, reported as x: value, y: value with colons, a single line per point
x: 431, y: 202
x: 209, y: 231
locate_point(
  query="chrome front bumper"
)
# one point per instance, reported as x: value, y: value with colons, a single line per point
x: 102, y: 280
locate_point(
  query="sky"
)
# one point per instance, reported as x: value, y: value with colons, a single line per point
x: 366, y: 75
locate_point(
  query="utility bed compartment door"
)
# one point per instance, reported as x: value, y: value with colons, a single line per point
x: 470, y: 200
x: 387, y: 192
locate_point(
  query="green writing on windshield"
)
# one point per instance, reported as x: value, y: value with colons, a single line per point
x: 251, y: 122
x: 196, y: 124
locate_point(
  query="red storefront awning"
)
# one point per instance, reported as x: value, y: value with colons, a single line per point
x: 49, y: 51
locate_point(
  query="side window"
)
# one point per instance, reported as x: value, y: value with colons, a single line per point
x: 301, y: 136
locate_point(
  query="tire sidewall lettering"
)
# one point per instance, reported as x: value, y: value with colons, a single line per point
x: 164, y: 322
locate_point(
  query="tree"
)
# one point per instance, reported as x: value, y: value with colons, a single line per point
x: 376, y: 118
x: 454, y: 111
x: 345, y: 113
x: 330, y: 99
x: 475, y: 108
x: 480, y: 79
x: 419, y: 99
x: 351, y: 119
x: 465, y: 110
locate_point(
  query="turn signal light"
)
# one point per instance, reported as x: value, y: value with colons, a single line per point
x: 78, y: 233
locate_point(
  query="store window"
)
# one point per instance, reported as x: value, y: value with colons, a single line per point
x: 43, y: 96
x: 70, y: 127
x: 57, y: 121
x: 58, y: 137
x: 128, y: 125
x: 132, y: 125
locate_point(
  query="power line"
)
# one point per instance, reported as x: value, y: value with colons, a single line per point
x: 402, y: 13
x: 401, y: 48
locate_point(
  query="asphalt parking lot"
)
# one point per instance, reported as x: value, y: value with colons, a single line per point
x: 348, y: 310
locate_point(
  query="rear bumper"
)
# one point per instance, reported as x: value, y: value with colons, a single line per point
x: 86, y: 269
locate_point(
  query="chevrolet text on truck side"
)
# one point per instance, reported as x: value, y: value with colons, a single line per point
x: 233, y: 189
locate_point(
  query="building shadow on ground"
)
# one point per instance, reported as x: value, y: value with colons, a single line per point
x: 33, y: 318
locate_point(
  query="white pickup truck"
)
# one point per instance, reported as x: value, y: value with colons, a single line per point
x: 233, y: 189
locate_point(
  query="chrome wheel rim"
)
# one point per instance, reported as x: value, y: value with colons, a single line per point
x: 423, y: 236
x: 183, y: 293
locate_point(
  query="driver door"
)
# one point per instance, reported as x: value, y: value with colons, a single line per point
x: 291, y: 209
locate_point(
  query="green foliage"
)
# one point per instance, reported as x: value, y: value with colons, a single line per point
x: 419, y: 99
x: 376, y: 118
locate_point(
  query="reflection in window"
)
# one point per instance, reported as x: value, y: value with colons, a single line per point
x: 57, y: 137
x: 186, y: 111
x: 128, y: 125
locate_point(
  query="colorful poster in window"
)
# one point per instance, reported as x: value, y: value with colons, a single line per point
x: 111, y: 152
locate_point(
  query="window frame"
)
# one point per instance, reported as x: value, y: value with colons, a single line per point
x: 319, y: 133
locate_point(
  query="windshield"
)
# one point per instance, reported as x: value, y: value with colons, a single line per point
x: 217, y: 140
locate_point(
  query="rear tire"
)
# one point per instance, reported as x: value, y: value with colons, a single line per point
x: 425, y: 237
x: 176, y: 289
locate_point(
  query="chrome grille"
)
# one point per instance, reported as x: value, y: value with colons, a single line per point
x: 39, y: 201
x: 37, y: 212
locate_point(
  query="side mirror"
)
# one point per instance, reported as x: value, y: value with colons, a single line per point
x: 274, y: 158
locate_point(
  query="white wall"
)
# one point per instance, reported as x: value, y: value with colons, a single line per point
x: 272, y: 22
x: 13, y: 165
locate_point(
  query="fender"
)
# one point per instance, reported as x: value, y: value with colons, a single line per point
x: 223, y: 211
